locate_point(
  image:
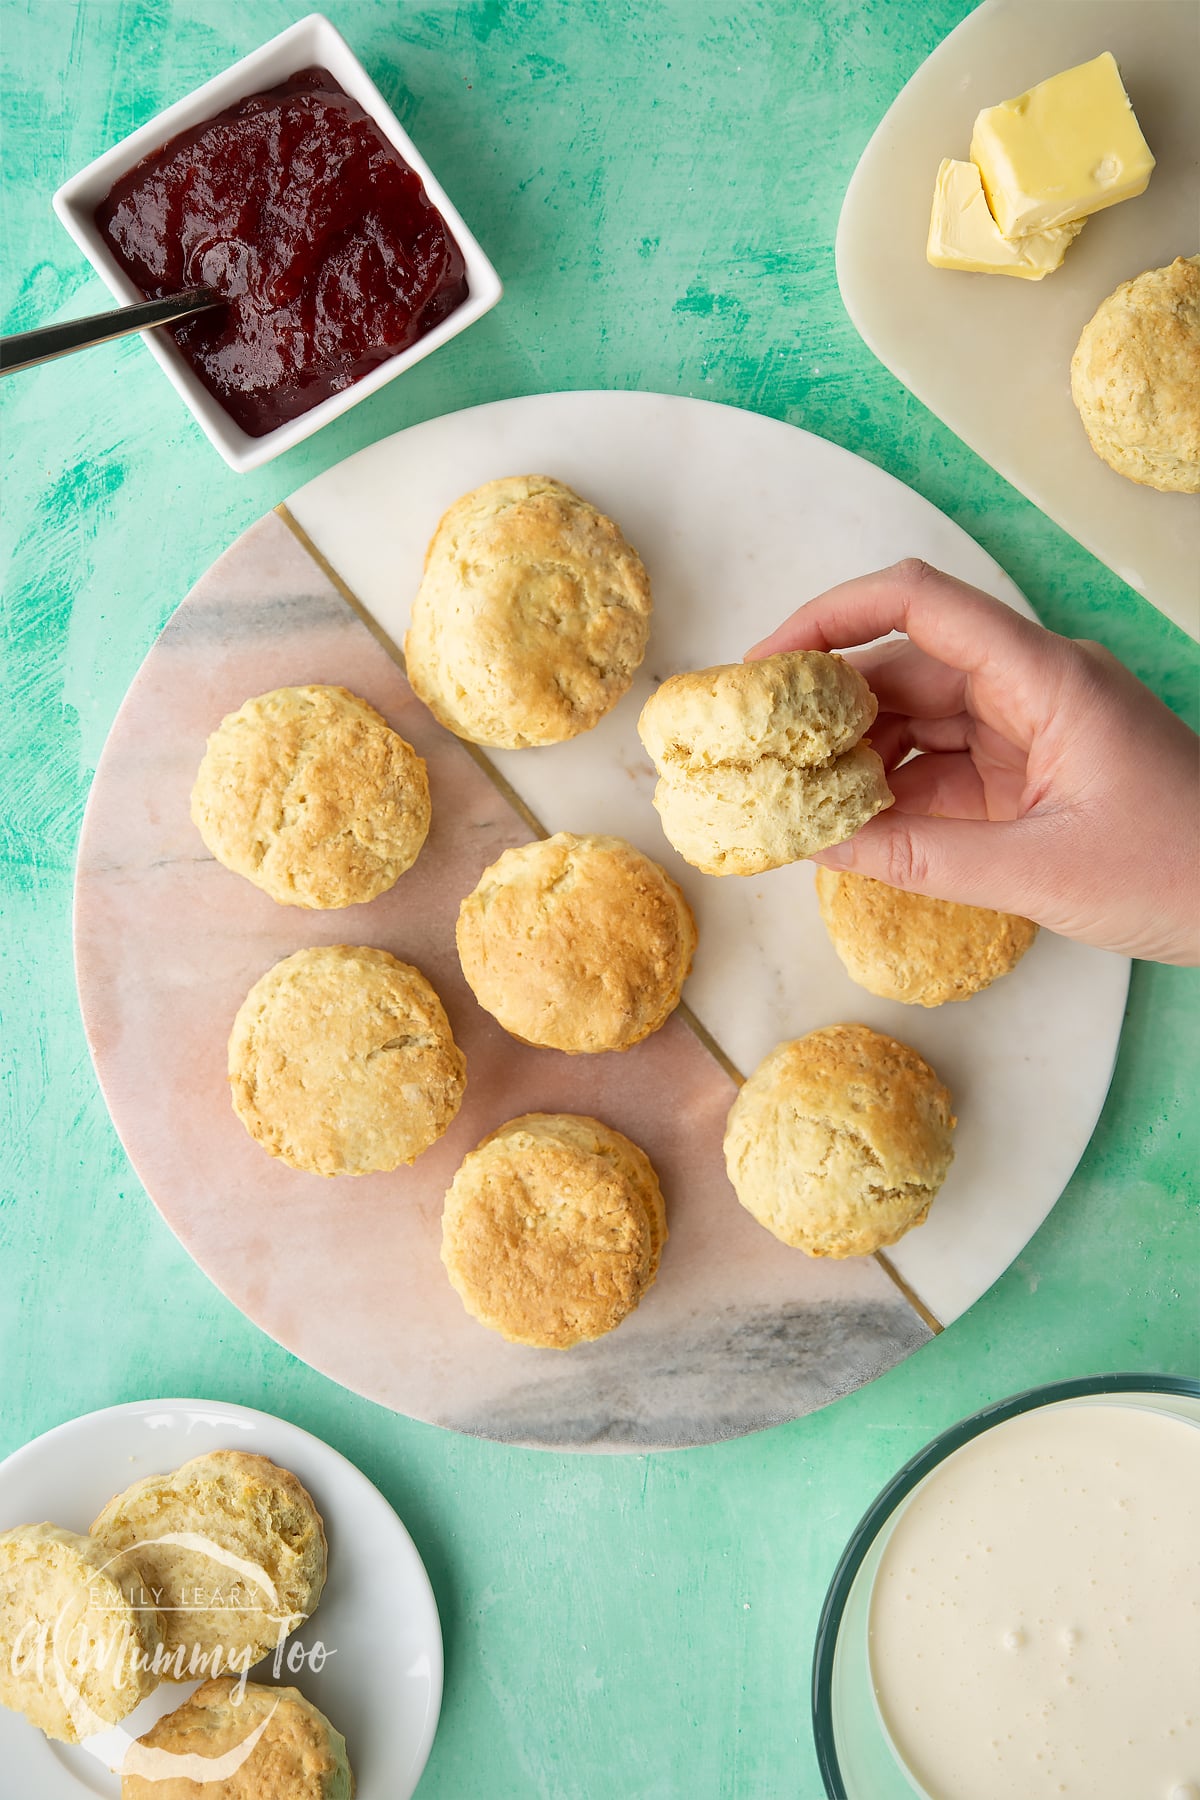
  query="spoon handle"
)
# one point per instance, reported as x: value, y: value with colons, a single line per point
x: 27, y: 348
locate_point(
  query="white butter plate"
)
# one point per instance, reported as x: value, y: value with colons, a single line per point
x: 381, y: 1685
x: 990, y: 355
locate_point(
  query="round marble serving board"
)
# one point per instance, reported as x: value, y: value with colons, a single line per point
x: 738, y: 519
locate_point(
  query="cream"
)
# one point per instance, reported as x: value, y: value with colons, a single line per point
x: 1035, y: 1619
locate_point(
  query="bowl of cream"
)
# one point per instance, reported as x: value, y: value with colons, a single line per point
x: 1017, y: 1617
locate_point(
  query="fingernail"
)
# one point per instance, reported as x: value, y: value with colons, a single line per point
x: 838, y: 856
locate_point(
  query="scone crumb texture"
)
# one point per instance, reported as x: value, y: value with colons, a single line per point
x: 761, y: 764
x: 78, y: 1639
x: 234, y: 1547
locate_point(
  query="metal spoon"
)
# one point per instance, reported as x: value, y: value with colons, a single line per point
x: 27, y: 348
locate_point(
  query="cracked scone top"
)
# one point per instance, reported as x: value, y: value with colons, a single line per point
x: 839, y: 1141
x: 531, y: 617
x: 760, y: 763
x: 552, y: 1229
x: 78, y: 1636
x: 576, y: 943
x: 310, y: 794
x: 231, y: 1546
x: 342, y: 1062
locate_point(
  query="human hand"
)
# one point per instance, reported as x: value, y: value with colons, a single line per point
x: 1049, y: 782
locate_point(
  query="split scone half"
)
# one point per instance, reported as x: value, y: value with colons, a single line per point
x: 760, y: 764
x: 78, y: 1636
x: 232, y: 1546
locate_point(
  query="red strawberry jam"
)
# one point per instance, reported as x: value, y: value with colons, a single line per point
x: 295, y: 207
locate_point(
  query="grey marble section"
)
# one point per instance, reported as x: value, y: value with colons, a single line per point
x: 742, y: 1372
x: 226, y: 617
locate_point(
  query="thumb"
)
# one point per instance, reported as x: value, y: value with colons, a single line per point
x: 978, y: 862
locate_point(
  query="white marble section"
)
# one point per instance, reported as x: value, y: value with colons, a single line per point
x: 740, y: 518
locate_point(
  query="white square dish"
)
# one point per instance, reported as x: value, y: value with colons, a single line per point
x: 311, y: 41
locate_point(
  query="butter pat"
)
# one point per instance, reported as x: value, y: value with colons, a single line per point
x: 964, y: 235
x: 1067, y: 148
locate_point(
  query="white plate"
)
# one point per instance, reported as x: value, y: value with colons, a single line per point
x: 991, y: 355
x: 382, y: 1684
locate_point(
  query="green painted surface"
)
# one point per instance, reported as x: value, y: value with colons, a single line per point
x: 659, y: 188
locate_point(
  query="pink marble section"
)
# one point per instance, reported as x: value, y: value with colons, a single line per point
x: 738, y: 1332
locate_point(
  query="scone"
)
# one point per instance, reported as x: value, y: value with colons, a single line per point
x: 552, y: 1229
x: 839, y: 1141
x: 78, y: 1640
x: 342, y: 1062
x: 231, y: 1545
x: 310, y: 794
x: 531, y: 616
x: 264, y: 1743
x: 760, y: 763
x: 576, y: 943
x: 1135, y: 377
x: 907, y: 947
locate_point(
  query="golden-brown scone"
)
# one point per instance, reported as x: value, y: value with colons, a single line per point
x: 310, y: 794
x: 801, y: 707
x: 1135, y: 377
x: 760, y: 763
x: 576, y: 943
x: 246, y: 1559
x: 907, y: 947
x: 839, y: 1141
x: 552, y: 1229
x: 342, y: 1062
x: 531, y: 617
x: 78, y: 1637
x: 263, y: 1743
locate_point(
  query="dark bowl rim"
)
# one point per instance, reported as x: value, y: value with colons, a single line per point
x: 901, y: 1484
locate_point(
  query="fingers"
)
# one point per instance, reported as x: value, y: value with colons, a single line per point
x: 977, y: 862
x: 956, y: 624
x: 893, y: 736
x: 949, y: 786
x: 906, y: 680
